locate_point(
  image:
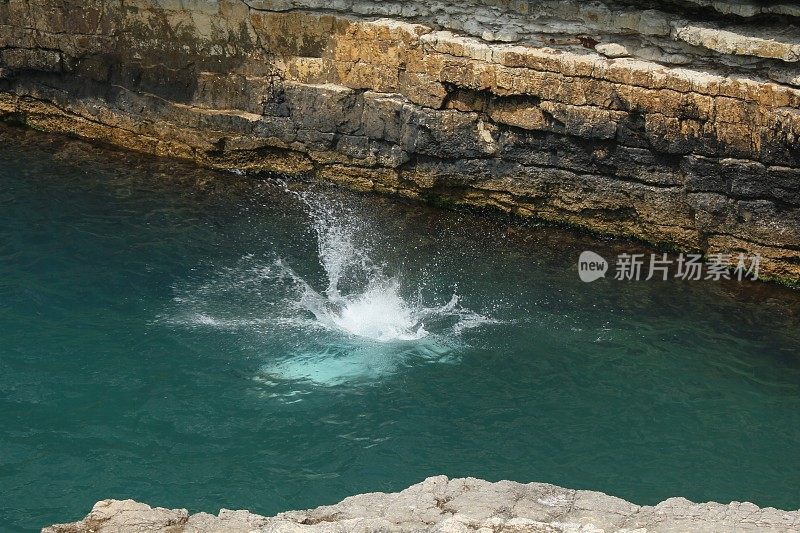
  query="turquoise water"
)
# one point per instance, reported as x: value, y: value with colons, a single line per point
x: 190, y: 339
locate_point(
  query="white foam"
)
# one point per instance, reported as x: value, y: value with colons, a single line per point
x: 360, y: 326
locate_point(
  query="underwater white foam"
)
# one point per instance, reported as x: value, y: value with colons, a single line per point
x: 363, y: 324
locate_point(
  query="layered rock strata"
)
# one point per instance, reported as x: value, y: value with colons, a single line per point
x: 676, y: 122
x: 444, y: 505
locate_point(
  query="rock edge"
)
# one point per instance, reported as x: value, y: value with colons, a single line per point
x: 444, y: 505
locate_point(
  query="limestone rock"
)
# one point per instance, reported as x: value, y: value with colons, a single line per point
x: 775, y: 43
x: 125, y: 515
x: 612, y: 50
x: 442, y: 505
x: 618, y: 116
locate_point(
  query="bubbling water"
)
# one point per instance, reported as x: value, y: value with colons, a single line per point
x: 374, y: 308
x: 379, y: 313
x: 361, y: 325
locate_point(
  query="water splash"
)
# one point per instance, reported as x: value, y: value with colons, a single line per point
x: 379, y: 313
x: 360, y: 324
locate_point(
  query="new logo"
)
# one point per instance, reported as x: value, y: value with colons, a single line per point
x: 591, y: 266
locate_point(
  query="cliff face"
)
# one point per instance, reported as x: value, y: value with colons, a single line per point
x: 672, y: 121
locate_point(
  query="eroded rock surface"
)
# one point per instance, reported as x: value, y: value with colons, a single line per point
x: 444, y: 505
x: 674, y: 121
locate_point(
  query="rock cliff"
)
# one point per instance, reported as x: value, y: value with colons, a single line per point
x: 674, y: 121
x: 444, y: 505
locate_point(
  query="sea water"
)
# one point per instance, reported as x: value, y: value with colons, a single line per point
x: 203, y: 340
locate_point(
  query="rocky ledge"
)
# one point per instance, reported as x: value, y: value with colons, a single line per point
x: 673, y: 121
x: 451, y: 506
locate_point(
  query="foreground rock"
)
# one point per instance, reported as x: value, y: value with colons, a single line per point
x: 676, y: 122
x: 439, y: 504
